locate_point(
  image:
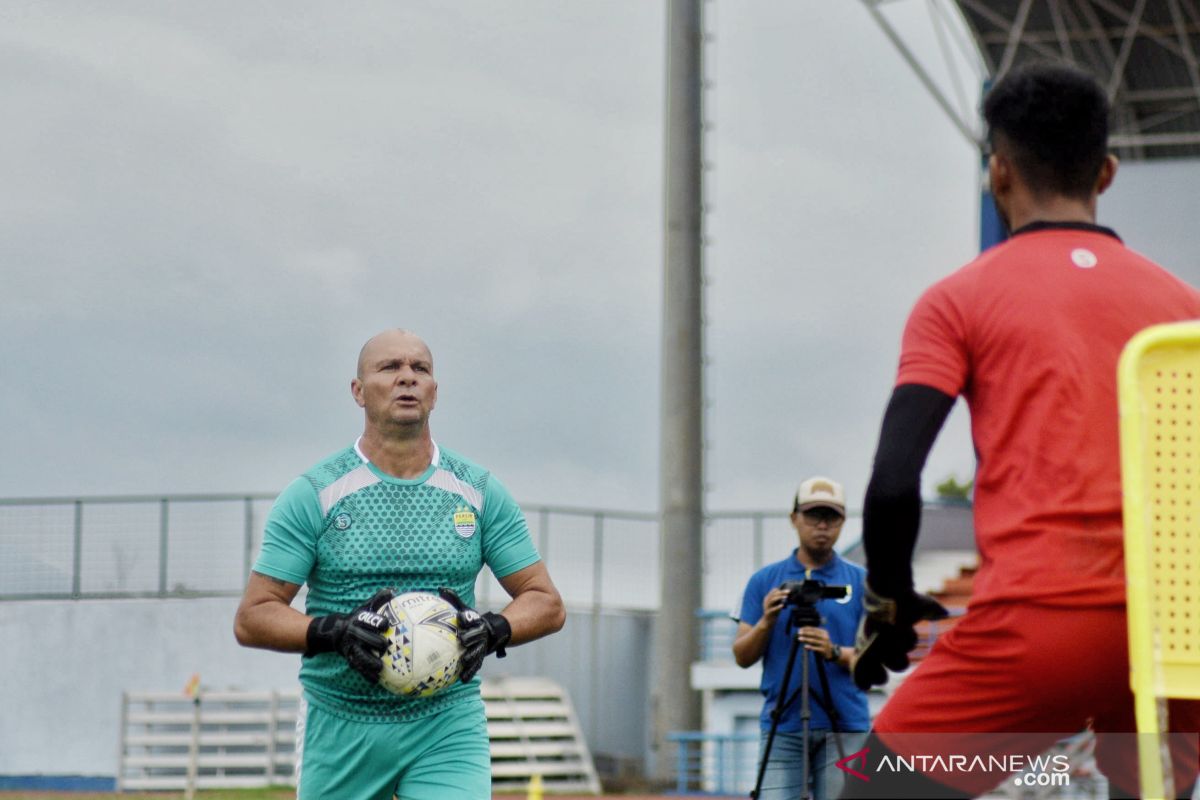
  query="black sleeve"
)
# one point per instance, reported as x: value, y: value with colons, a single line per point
x: 892, y: 509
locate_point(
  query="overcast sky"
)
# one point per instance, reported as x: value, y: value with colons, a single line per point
x: 207, y: 208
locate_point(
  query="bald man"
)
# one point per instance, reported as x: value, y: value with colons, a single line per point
x: 392, y: 513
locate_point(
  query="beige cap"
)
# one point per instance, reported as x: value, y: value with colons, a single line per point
x: 818, y: 491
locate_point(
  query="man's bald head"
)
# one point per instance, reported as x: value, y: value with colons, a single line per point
x: 385, y: 341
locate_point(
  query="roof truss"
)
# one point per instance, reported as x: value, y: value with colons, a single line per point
x: 1143, y: 51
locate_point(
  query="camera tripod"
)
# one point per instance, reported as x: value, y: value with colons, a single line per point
x: 803, y: 615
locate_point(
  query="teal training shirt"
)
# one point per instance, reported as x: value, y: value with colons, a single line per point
x: 347, y: 530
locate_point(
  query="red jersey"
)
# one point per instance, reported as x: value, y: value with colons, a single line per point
x: 1030, y: 333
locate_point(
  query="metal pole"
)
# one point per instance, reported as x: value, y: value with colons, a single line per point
x: 938, y: 96
x: 121, y: 745
x: 273, y: 733
x: 163, y: 522
x: 597, y: 601
x: 676, y: 707
x: 248, y: 539
x: 544, y: 550
x: 544, y: 533
x: 758, y: 540
x: 193, y: 765
x: 77, y: 551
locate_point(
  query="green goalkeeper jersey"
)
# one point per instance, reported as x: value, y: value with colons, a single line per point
x: 347, y: 530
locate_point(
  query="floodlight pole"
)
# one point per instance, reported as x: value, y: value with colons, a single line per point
x: 676, y: 706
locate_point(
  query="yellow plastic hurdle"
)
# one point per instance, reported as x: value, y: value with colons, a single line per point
x: 1159, y: 397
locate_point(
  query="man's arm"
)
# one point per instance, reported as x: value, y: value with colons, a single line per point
x: 537, y: 608
x: 891, y: 519
x: 265, y: 618
x: 750, y: 641
x: 846, y: 656
x: 892, y: 508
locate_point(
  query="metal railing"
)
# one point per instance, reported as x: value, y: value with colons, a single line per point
x: 717, y: 632
x: 193, y: 545
x: 128, y: 546
x: 713, y: 763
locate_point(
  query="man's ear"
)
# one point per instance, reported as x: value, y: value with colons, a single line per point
x: 1000, y: 174
x: 356, y: 392
x: 1108, y: 171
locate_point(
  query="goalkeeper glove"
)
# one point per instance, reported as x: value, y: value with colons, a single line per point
x: 358, y: 636
x: 479, y: 634
x: 886, y: 633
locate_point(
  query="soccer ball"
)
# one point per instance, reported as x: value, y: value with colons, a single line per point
x: 423, y: 650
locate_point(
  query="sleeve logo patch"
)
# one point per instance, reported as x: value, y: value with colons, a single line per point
x: 464, y: 522
x: 342, y: 521
x: 1084, y: 259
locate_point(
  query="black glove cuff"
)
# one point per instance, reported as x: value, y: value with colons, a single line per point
x: 321, y: 636
x: 500, y: 632
x: 894, y: 587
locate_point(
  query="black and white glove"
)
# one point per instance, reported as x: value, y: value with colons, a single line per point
x: 358, y: 636
x: 479, y: 634
x: 886, y: 633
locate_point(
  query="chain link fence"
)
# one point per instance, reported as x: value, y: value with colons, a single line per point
x: 204, y: 545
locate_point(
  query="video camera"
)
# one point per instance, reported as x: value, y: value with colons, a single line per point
x: 809, y: 591
x: 802, y: 596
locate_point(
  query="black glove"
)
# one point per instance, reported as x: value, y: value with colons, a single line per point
x: 358, y: 636
x: 886, y: 633
x: 479, y: 634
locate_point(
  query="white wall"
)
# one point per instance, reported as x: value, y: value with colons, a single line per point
x: 1154, y: 207
x: 65, y: 663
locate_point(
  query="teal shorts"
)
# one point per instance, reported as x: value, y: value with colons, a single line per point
x: 442, y: 757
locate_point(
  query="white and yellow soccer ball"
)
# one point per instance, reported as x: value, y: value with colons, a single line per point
x: 423, y: 650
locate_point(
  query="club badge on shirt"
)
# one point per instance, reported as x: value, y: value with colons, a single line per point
x: 464, y: 522
x: 846, y: 598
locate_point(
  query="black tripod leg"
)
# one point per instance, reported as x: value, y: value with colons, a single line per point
x: 831, y: 708
x: 805, y: 730
x: 776, y: 715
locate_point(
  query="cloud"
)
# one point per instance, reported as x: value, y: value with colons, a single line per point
x: 206, y: 209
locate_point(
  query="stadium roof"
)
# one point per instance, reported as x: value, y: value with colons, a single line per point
x: 1143, y: 51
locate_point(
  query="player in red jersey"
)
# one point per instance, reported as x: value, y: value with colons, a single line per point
x: 1029, y: 333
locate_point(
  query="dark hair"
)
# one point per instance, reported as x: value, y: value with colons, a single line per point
x: 1054, y: 120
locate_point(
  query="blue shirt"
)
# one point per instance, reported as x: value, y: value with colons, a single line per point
x: 839, y: 617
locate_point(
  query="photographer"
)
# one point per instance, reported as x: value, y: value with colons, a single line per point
x: 765, y: 631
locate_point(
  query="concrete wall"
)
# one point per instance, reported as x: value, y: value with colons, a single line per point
x: 64, y: 665
x: 604, y: 661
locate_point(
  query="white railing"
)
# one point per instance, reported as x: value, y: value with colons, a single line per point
x: 230, y: 740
